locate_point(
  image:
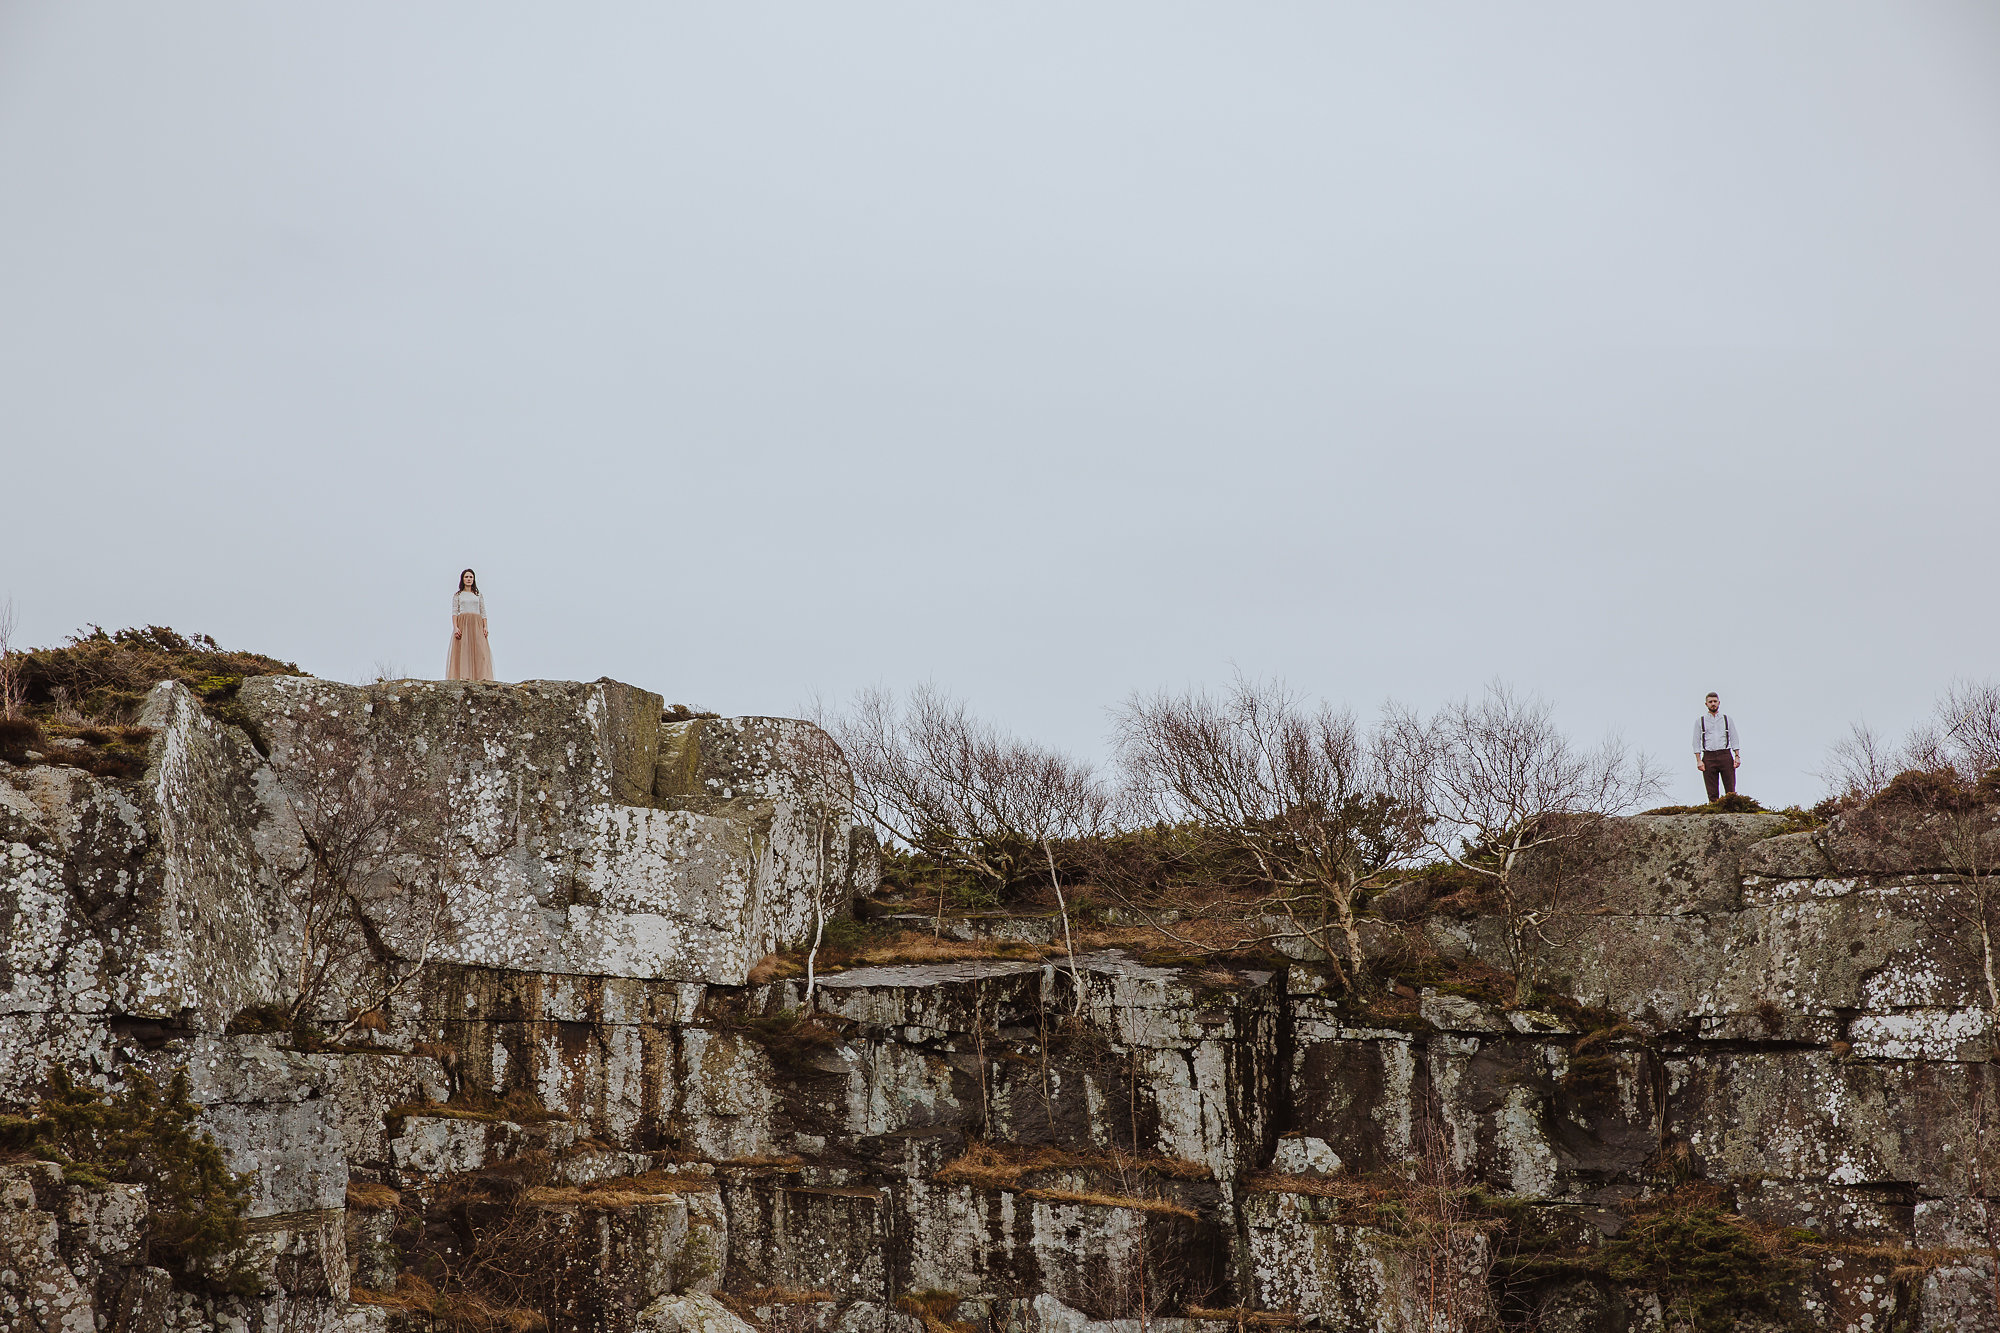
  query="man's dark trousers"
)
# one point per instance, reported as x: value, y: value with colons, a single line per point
x: 1718, y: 766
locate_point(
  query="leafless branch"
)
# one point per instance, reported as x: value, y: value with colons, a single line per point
x: 937, y: 779
x: 373, y: 884
x: 1300, y: 792
x: 827, y: 790
x: 12, y: 690
x: 1502, y: 785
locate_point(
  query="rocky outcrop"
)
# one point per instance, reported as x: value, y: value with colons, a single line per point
x: 584, y: 1098
x: 589, y: 838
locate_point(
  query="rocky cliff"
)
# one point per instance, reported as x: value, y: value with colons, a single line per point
x: 548, y: 1075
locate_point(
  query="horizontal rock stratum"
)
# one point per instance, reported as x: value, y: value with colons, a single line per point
x: 583, y: 1093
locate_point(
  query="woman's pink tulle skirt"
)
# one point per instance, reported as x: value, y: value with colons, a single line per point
x: 471, y: 657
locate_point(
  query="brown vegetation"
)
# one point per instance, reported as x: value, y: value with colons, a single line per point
x: 517, y: 1106
x: 1242, y: 1317
x: 968, y: 795
x: 451, y: 1312
x: 363, y: 1194
x: 1300, y: 794
x: 1095, y: 1199
x: 935, y: 1308
x: 99, y: 677
x: 75, y: 705
x: 1002, y: 1165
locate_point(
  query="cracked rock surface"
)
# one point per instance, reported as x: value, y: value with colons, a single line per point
x: 963, y: 1143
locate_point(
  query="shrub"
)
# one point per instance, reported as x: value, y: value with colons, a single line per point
x: 1729, y: 803
x: 146, y: 1136
x: 922, y: 878
x: 18, y: 735
x: 100, y: 675
x: 1709, y: 1266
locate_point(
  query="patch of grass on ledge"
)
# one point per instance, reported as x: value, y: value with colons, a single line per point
x: 519, y: 1107
x: 1735, y: 803
x: 1164, y: 1207
x: 1001, y: 1165
x: 1244, y: 1318
x: 450, y: 1310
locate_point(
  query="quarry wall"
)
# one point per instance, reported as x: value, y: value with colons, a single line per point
x: 591, y: 1069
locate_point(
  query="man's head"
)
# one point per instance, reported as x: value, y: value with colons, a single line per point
x: 1714, y: 701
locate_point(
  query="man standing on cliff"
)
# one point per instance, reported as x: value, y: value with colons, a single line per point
x: 1718, y: 751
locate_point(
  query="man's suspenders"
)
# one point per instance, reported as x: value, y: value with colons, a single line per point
x: 1726, y: 729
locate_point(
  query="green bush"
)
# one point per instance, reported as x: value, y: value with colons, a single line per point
x: 146, y: 1136
x: 1708, y: 1265
x: 1729, y: 803
x: 106, y: 675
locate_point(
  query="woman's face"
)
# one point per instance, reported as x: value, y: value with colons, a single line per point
x: 465, y: 581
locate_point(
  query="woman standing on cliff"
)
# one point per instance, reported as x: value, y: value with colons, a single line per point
x: 471, y: 656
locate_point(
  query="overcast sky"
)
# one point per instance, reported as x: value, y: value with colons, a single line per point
x: 1044, y: 351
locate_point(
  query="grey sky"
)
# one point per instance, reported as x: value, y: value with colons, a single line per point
x: 1046, y: 351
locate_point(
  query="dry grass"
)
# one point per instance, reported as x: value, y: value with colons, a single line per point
x: 904, y: 946
x: 1905, y: 1261
x: 1235, y: 928
x: 1243, y: 1318
x: 1165, y: 1207
x: 1349, y: 1189
x: 910, y: 946
x: 932, y: 1307
x: 518, y: 1107
x: 363, y: 1195
x: 459, y: 1313
x: 1001, y: 1165
x: 755, y: 1296
x: 619, y: 1192
x: 774, y: 967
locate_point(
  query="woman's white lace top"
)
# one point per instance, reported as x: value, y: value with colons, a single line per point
x: 467, y: 604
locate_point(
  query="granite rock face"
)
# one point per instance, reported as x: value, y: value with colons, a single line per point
x: 584, y: 1090
x: 568, y: 854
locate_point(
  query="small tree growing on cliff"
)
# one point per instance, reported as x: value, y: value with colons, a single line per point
x: 1441, y: 1251
x: 937, y: 779
x: 13, y: 694
x: 1503, y: 785
x: 826, y: 789
x: 1301, y: 793
x: 372, y: 883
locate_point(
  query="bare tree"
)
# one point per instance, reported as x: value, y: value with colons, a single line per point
x: 1860, y: 764
x: 12, y: 689
x: 827, y: 791
x: 1961, y: 738
x: 1962, y: 735
x: 936, y: 779
x: 1503, y: 784
x: 1443, y: 1259
x: 1049, y: 797
x: 373, y: 883
x: 1299, y: 792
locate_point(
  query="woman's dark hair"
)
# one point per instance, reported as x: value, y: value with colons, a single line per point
x: 461, y: 581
